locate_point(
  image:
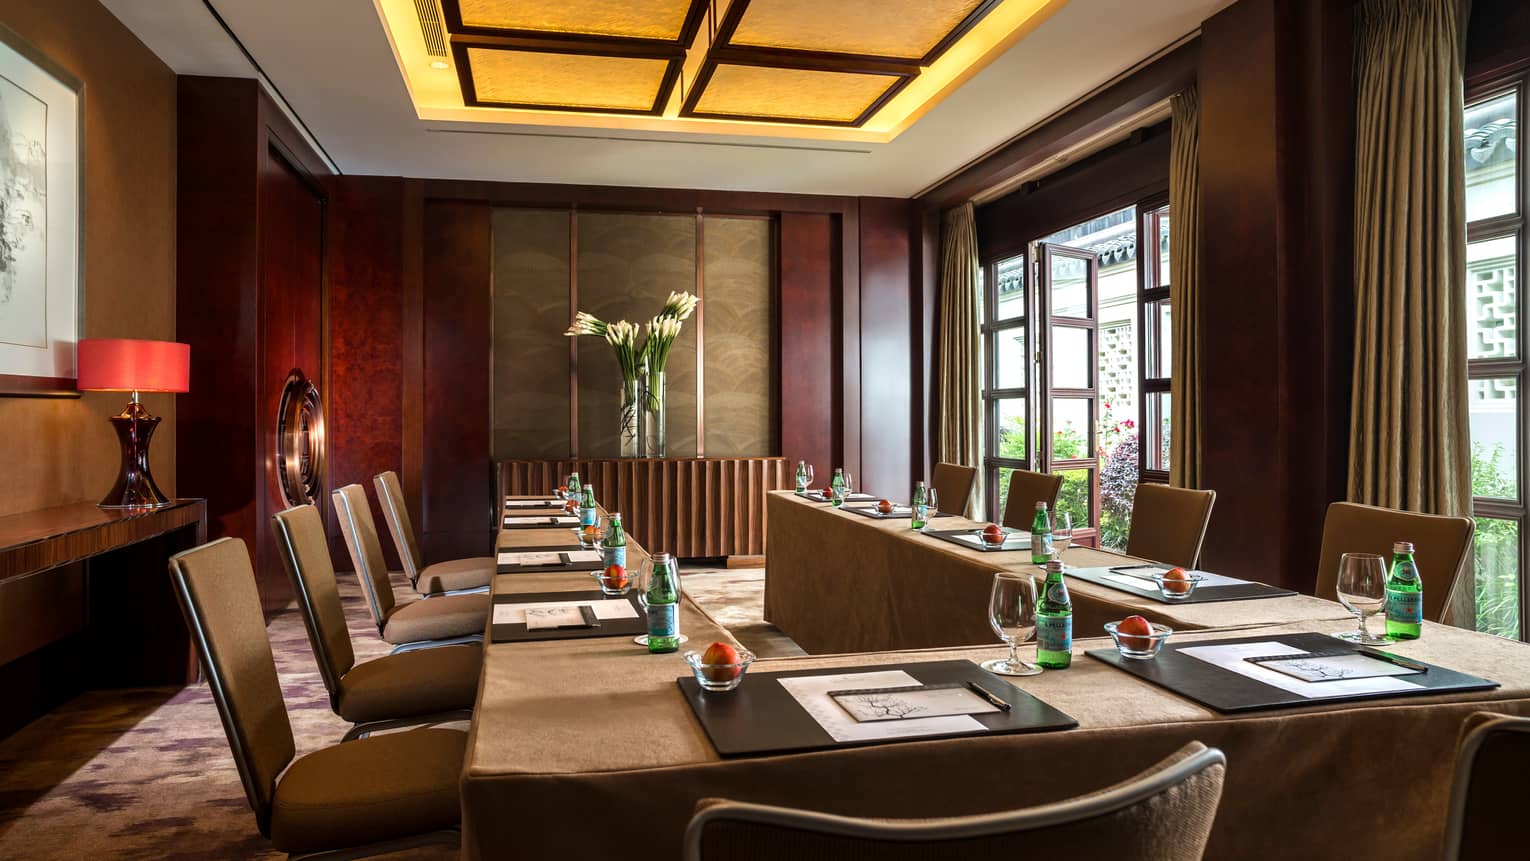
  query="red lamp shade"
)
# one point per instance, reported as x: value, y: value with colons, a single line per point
x: 126, y: 365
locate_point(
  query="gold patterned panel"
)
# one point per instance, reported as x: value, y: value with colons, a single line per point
x: 907, y: 29
x: 640, y: 19
x: 531, y: 356
x: 586, y: 81
x: 798, y: 94
x: 627, y: 264
x: 736, y: 264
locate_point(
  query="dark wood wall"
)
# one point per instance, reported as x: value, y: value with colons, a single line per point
x: 850, y: 311
x: 250, y: 301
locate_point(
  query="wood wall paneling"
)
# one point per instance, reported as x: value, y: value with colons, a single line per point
x: 808, y: 296
x: 888, y: 360
x: 457, y: 507
x: 531, y: 310
x: 738, y: 357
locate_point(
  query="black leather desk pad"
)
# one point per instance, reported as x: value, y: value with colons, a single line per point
x: 515, y: 632
x: 1230, y: 693
x: 1019, y: 540
x: 871, y: 512
x: 817, y: 496
x: 516, y: 568
x: 1202, y: 595
x: 762, y: 717
x: 535, y: 521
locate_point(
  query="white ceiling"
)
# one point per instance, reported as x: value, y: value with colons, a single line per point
x: 332, y: 61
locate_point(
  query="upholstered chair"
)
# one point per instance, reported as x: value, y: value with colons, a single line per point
x: 357, y: 798
x: 1487, y: 796
x: 435, y: 621
x: 422, y: 686
x: 1165, y: 814
x: 451, y: 575
x: 953, y: 485
x: 1169, y: 524
x: 1026, y: 488
x: 1442, y: 547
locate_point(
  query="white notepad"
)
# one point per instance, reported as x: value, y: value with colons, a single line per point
x: 531, y: 558
x: 620, y: 608
x: 524, y: 520
x: 533, y: 503
x: 812, y: 693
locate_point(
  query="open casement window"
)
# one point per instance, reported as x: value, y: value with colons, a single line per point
x: 1157, y: 355
x: 1067, y: 290
x: 1007, y: 372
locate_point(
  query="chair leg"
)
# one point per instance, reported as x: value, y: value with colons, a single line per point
x: 467, y: 640
x: 362, y: 730
x: 445, y: 837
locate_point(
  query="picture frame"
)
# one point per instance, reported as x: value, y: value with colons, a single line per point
x: 42, y: 221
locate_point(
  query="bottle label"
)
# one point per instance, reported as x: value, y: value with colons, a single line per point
x: 616, y: 556
x: 663, y: 620
x: 1057, y: 593
x: 801, y: 483
x: 1054, y: 633
x: 1405, y: 606
x: 1041, y: 546
x: 921, y: 513
x: 587, y: 517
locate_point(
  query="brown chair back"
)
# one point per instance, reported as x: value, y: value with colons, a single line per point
x: 391, y: 494
x: 1487, y: 796
x: 215, y: 584
x: 1442, y: 547
x: 1165, y: 813
x: 301, y: 543
x: 1027, y: 488
x: 366, y: 551
x: 1169, y: 524
x: 953, y: 485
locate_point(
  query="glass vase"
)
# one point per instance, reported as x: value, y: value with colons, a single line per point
x: 631, y: 412
x: 653, y: 424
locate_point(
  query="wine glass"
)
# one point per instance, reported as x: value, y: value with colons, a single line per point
x: 1012, y: 613
x: 932, y: 499
x: 644, y: 580
x: 808, y: 471
x: 1362, y: 591
x: 848, y: 484
x: 1062, y: 531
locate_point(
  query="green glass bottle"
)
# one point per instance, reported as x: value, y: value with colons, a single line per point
x: 1405, y: 595
x: 921, y: 506
x: 663, y: 603
x: 614, y: 548
x: 802, y: 476
x: 588, y: 515
x: 837, y: 487
x: 1041, y: 535
x: 573, y: 485
x: 1054, y: 621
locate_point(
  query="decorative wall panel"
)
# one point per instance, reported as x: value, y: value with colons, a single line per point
x: 531, y: 310
x: 738, y: 361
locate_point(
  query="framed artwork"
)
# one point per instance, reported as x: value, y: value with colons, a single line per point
x: 42, y: 209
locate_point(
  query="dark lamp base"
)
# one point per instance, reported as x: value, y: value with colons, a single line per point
x: 135, y: 487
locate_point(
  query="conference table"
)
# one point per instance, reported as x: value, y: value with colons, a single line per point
x: 587, y: 748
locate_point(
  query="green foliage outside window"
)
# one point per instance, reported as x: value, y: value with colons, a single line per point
x: 1495, y: 556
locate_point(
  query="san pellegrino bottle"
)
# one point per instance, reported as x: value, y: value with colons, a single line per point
x: 1041, y: 535
x: 587, y: 511
x: 801, y: 476
x: 1054, y: 621
x: 921, y: 506
x: 614, y: 547
x: 837, y: 486
x: 573, y: 485
x: 1405, y: 594
x: 663, y: 602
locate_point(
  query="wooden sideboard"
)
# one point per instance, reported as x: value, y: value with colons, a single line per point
x: 691, y: 507
x: 86, y: 602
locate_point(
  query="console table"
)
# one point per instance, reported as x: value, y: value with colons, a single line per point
x: 688, y: 506
x: 86, y: 602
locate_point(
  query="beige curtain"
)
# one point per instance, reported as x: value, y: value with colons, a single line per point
x: 1409, y: 444
x: 958, y: 370
x: 1184, y: 287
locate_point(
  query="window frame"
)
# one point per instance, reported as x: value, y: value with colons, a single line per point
x: 991, y: 395
x: 1152, y: 287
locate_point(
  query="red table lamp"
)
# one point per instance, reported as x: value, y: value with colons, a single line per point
x: 124, y: 365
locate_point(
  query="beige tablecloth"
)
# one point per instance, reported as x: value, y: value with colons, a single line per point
x: 839, y: 582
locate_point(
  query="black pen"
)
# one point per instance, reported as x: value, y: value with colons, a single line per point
x: 1394, y: 659
x: 993, y: 700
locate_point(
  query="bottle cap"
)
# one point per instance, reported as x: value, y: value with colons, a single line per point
x: 660, y: 558
x: 1402, y: 547
x: 1041, y: 505
x: 616, y: 515
x: 1054, y: 566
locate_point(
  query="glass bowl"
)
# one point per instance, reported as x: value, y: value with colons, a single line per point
x: 1138, y: 646
x: 589, y: 538
x: 1177, y: 590
x: 719, y: 677
x: 992, y: 545
x: 607, y: 587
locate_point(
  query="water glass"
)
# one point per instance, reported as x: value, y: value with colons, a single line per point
x: 932, y: 499
x: 1363, y: 591
x: 1012, y: 613
x: 809, y: 470
x: 1062, y: 531
x: 848, y: 484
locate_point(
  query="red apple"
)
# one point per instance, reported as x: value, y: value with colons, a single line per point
x: 719, y: 663
x: 1176, y: 580
x: 885, y: 507
x: 993, y: 534
x: 571, y: 506
x: 615, y: 577
x: 1135, y: 633
x: 562, y: 490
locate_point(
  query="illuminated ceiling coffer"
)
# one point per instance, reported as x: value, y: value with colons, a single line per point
x: 822, y: 62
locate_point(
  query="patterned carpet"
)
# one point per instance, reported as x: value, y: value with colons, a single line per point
x: 147, y: 773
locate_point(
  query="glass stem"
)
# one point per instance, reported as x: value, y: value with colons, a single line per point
x: 1365, y: 633
x: 1014, y: 653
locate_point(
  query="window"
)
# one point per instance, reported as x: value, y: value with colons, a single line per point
x: 1495, y: 256
x: 1076, y: 366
